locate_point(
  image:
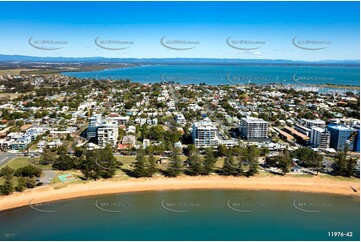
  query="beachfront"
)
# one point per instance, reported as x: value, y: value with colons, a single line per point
x: 316, y: 184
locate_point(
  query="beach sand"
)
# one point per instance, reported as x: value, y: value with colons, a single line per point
x: 50, y: 193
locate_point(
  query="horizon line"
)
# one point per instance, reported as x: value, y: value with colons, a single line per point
x: 160, y: 58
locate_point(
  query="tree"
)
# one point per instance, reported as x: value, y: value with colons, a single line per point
x: 48, y: 157
x: 271, y: 161
x: 344, y: 166
x: 191, y: 149
x: 241, y: 154
x: 285, y: 162
x: 195, y: 164
x: 28, y: 171
x: 308, y: 158
x: 229, y: 166
x: 140, y: 164
x: 7, y: 171
x: 99, y: 163
x: 21, y: 184
x: 30, y: 182
x: 252, y: 157
x: 222, y: 150
x: 62, y: 150
x: 64, y: 162
x: 350, y: 167
x: 151, y: 166
x: 209, y: 162
x: 79, y: 151
x: 340, y: 165
x: 7, y: 188
x: 175, y: 166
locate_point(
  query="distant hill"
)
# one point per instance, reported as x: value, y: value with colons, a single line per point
x: 102, y: 60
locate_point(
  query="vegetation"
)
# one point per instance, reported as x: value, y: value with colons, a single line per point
x: 345, y: 165
x: 283, y: 161
x: 308, y: 158
x: 28, y: 171
x: 99, y: 164
x: 175, y: 165
x: 144, y: 166
x: 195, y: 165
x: 8, y: 173
x: 65, y: 162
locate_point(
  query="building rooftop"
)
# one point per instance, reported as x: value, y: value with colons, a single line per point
x: 253, y: 120
x: 340, y: 127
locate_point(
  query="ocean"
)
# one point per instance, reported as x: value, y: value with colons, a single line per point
x: 188, y: 215
x: 231, y: 75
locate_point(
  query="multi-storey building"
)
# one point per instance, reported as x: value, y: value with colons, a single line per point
x: 204, y: 134
x: 180, y: 119
x: 342, y: 135
x: 253, y: 129
x: 107, y: 134
x: 95, y: 120
x: 320, y: 137
x: 309, y: 123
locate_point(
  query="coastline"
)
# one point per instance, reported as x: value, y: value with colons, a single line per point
x: 104, y: 187
x: 321, y: 85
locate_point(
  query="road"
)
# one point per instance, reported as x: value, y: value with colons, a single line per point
x: 6, y: 157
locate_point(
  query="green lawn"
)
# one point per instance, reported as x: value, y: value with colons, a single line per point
x: 24, y: 161
x: 18, y: 162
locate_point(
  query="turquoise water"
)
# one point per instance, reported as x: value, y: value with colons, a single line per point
x: 218, y: 74
x: 187, y: 215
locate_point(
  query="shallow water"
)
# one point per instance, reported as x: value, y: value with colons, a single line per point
x: 187, y: 215
x: 231, y: 75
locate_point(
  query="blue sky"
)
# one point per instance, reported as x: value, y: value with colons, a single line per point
x: 331, y: 27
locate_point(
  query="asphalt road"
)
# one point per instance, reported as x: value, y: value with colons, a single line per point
x: 6, y: 157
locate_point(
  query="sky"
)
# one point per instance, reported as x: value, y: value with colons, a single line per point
x: 308, y: 31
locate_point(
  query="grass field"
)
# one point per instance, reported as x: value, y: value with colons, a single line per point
x: 127, y: 165
x: 18, y: 162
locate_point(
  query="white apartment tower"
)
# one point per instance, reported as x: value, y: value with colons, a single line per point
x: 107, y: 134
x: 253, y: 128
x: 320, y: 138
x: 204, y: 134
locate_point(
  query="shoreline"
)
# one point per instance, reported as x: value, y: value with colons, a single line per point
x: 321, y: 85
x: 106, y: 187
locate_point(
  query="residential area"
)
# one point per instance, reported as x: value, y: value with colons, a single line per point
x: 54, y: 122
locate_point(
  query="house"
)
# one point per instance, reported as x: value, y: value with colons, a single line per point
x: 129, y: 140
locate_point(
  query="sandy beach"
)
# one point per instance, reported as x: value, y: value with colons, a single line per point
x: 287, y: 183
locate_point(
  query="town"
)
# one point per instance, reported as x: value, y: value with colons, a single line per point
x: 63, y: 125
